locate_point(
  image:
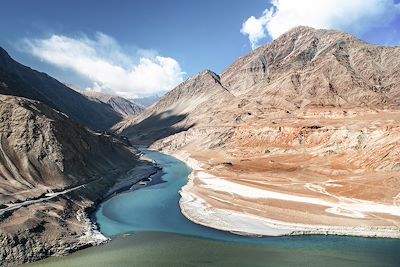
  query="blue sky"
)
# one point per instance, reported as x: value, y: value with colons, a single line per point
x: 136, y: 48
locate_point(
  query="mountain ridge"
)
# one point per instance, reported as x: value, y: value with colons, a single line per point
x: 19, y: 80
x: 285, y: 74
x: 301, y: 50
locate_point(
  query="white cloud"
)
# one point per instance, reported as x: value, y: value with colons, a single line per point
x: 354, y: 16
x: 102, y: 61
x: 255, y: 28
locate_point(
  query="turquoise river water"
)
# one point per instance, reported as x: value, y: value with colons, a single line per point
x: 148, y: 229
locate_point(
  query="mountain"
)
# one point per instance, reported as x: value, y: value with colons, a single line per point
x: 146, y: 101
x: 42, y: 148
x: 52, y: 173
x: 118, y: 104
x: 169, y: 114
x: 300, y: 135
x: 303, y: 68
x: 318, y: 67
x: 19, y: 80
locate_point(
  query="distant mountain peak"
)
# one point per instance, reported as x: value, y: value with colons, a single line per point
x: 121, y: 105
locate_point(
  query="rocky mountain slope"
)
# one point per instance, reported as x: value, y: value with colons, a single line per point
x: 119, y: 104
x: 300, y: 135
x: 304, y: 68
x: 19, y: 80
x: 169, y: 114
x: 52, y: 172
x: 318, y: 67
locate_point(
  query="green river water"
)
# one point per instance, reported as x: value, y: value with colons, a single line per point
x: 148, y: 229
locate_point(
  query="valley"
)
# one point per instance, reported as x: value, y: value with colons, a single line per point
x: 296, y: 141
x: 146, y: 227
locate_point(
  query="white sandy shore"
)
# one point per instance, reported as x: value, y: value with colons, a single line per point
x: 199, y: 211
x: 91, y: 235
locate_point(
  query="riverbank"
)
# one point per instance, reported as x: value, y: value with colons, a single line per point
x: 138, y: 221
x: 92, y: 235
x: 215, y: 202
x: 124, y: 183
x: 60, y: 223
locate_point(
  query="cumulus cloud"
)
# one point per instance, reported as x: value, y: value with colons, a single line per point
x: 255, y: 28
x: 354, y: 16
x: 102, y: 61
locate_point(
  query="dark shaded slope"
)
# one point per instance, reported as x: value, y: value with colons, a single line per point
x: 19, y: 80
x: 42, y: 153
x: 41, y: 148
x: 170, y: 114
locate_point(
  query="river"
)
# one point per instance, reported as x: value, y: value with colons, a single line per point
x: 159, y: 235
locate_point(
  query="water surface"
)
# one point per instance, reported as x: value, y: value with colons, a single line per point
x: 169, y: 250
x: 161, y: 236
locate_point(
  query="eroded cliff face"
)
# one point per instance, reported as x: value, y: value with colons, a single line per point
x: 52, y: 172
x: 313, y: 114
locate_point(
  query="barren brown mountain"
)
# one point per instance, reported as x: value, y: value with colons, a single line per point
x: 299, y: 136
x: 52, y: 172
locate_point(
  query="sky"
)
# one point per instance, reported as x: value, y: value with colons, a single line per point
x: 140, y: 48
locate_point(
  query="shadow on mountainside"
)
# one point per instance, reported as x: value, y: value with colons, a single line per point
x: 19, y: 80
x: 156, y: 127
